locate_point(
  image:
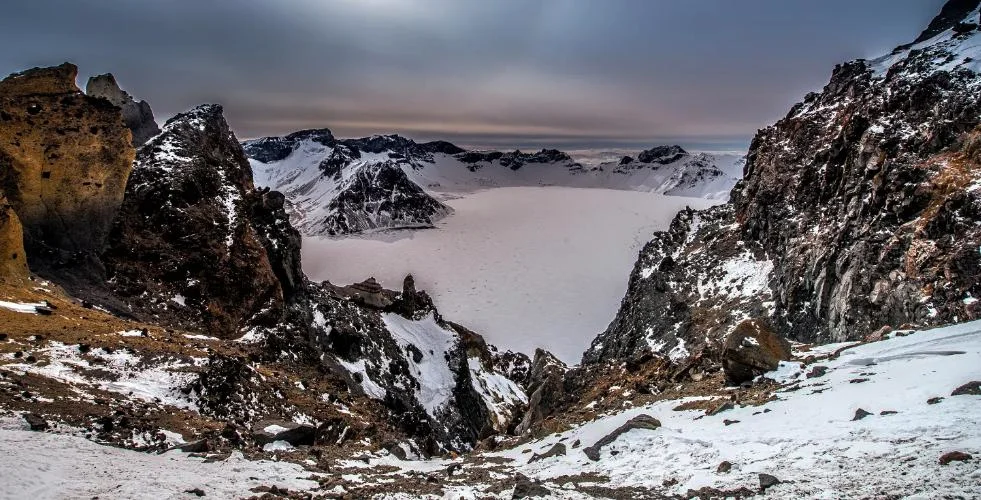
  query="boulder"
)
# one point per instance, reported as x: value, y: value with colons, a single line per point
x: 752, y: 349
x: 526, y: 488
x: 36, y: 422
x: 645, y: 422
x: 268, y: 431
x: 767, y: 481
x: 860, y: 414
x: 556, y: 450
x: 968, y: 389
x: 137, y: 116
x: 954, y: 456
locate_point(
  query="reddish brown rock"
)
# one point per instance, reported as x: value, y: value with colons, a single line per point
x: 954, y: 456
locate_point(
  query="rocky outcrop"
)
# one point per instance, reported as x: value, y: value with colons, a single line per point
x: 437, y: 378
x: 379, y: 196
x: 662, y: 155
x: 184, y: 250
x: 64, y: 161
x: 545, y: 387
x: 273, y: 149
x: 859, y: 209
x: 137, y: 116
x: 516, y: 159
x: 13, y: 261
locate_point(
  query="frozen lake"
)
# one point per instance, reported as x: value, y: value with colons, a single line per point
x: 525, y: 267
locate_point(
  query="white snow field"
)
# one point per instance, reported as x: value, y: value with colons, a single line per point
x: 807, y: 438
x: 40, y: 466
x: 525, y: 267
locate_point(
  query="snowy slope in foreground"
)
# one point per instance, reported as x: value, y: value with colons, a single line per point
x: 43, y: 465
x: 525, y: 267
x: 806, y: 438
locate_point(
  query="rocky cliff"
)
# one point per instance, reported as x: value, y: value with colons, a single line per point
x: 183, y: 249
x: 137, y: 116
x: 64, y: 161
x: 859, y: 209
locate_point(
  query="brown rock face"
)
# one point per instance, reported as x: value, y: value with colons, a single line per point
x: 13, y: 261
x: 752, y: 349
x: 64, y: 161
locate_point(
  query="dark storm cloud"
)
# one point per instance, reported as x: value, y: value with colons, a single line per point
x: 550, y: 71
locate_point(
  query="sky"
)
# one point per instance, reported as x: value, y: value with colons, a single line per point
x: 561, y: 73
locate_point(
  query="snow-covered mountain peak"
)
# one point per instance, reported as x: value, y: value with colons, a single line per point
x: 950, y: 43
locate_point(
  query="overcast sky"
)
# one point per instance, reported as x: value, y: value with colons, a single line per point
x: 522, y: 72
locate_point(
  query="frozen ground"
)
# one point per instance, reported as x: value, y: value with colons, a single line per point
x: 42, y: 466
x: 526, y: 267
x: 807, y: 438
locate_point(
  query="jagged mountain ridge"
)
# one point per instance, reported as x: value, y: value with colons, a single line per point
x: 860, y: 209
x: 339, y: 186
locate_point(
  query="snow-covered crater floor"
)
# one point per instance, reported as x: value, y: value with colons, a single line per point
x: 526, y: 267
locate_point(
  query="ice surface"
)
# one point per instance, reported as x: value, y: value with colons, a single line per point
x: 525, y: 267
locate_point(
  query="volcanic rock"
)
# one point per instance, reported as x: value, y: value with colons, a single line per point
x: 968, y: 389
x: 137, y: 116
x: 64, y: 161
x: 185, y: 249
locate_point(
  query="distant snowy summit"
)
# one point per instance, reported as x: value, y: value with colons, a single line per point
x: 343, y: 186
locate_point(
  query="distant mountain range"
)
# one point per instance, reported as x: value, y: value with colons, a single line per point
x: 339, y: 186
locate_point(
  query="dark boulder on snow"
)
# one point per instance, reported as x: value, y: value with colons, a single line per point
x: 968, y: 389
x: 644, y: 422
x: 557, y: 449
x: 767, y: 481
x: 526, y: 488
x: 860, y: 414
x: 36, y: 422
x: 269, y: 431
x: 954, y: 456
x: 752, y: 349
